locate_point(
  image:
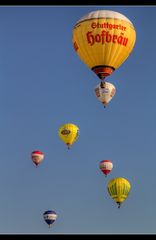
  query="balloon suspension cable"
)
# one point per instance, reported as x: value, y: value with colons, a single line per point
x: 102, y: 78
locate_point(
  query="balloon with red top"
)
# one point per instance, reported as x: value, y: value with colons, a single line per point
x: 106, y: 166
x: 37, y: 157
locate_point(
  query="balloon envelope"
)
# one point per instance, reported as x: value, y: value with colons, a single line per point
x: 118, y: 189
x: 68, y: 133
x: 106, y: 166
x: 37, y: 157
x: 103, y: 40
x: 104, y: 92
x: 49, y: 217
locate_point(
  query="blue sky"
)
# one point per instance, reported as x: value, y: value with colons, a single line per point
x: 43, y: 84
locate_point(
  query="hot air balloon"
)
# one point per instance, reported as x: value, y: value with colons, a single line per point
x: 103, y: 40
x: 118, y: 189
x: 106, y: 166
x: 49, y: 217
x: 68, y: 133
x: 105, y: 91
x: 37, y: 157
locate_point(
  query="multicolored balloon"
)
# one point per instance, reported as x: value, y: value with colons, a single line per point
x: 103, y: 40
x: 118, y: 189
x: 68, y: 133
x: 106, y: 166
x: 105, y: 91
x: 37, y: 157
x: 49, y: 217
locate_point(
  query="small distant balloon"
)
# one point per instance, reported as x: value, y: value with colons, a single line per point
x: 37, y: 157
x: 106, y: 166
x: 118, y: 189
x: 104, y: 92
x: 49, y: 217
x: 68, y: 133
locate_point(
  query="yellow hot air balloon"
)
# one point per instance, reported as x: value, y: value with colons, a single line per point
x: 68, y: 133
x: 118, y: 188
x: 103, y: 40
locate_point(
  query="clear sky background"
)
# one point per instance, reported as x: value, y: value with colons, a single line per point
x: 44, y: 84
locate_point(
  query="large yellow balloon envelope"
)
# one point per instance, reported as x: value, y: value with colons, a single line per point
x: 118, y: 188
x: 68, y: 133
x: 103, y: 40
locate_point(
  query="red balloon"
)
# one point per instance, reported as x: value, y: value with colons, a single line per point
x: 37, y: 157
x: 106, y: 166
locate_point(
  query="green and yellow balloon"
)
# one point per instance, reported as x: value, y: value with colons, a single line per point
x: 118, y: 189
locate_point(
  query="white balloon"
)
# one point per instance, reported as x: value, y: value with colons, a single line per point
x: 105, y: 91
